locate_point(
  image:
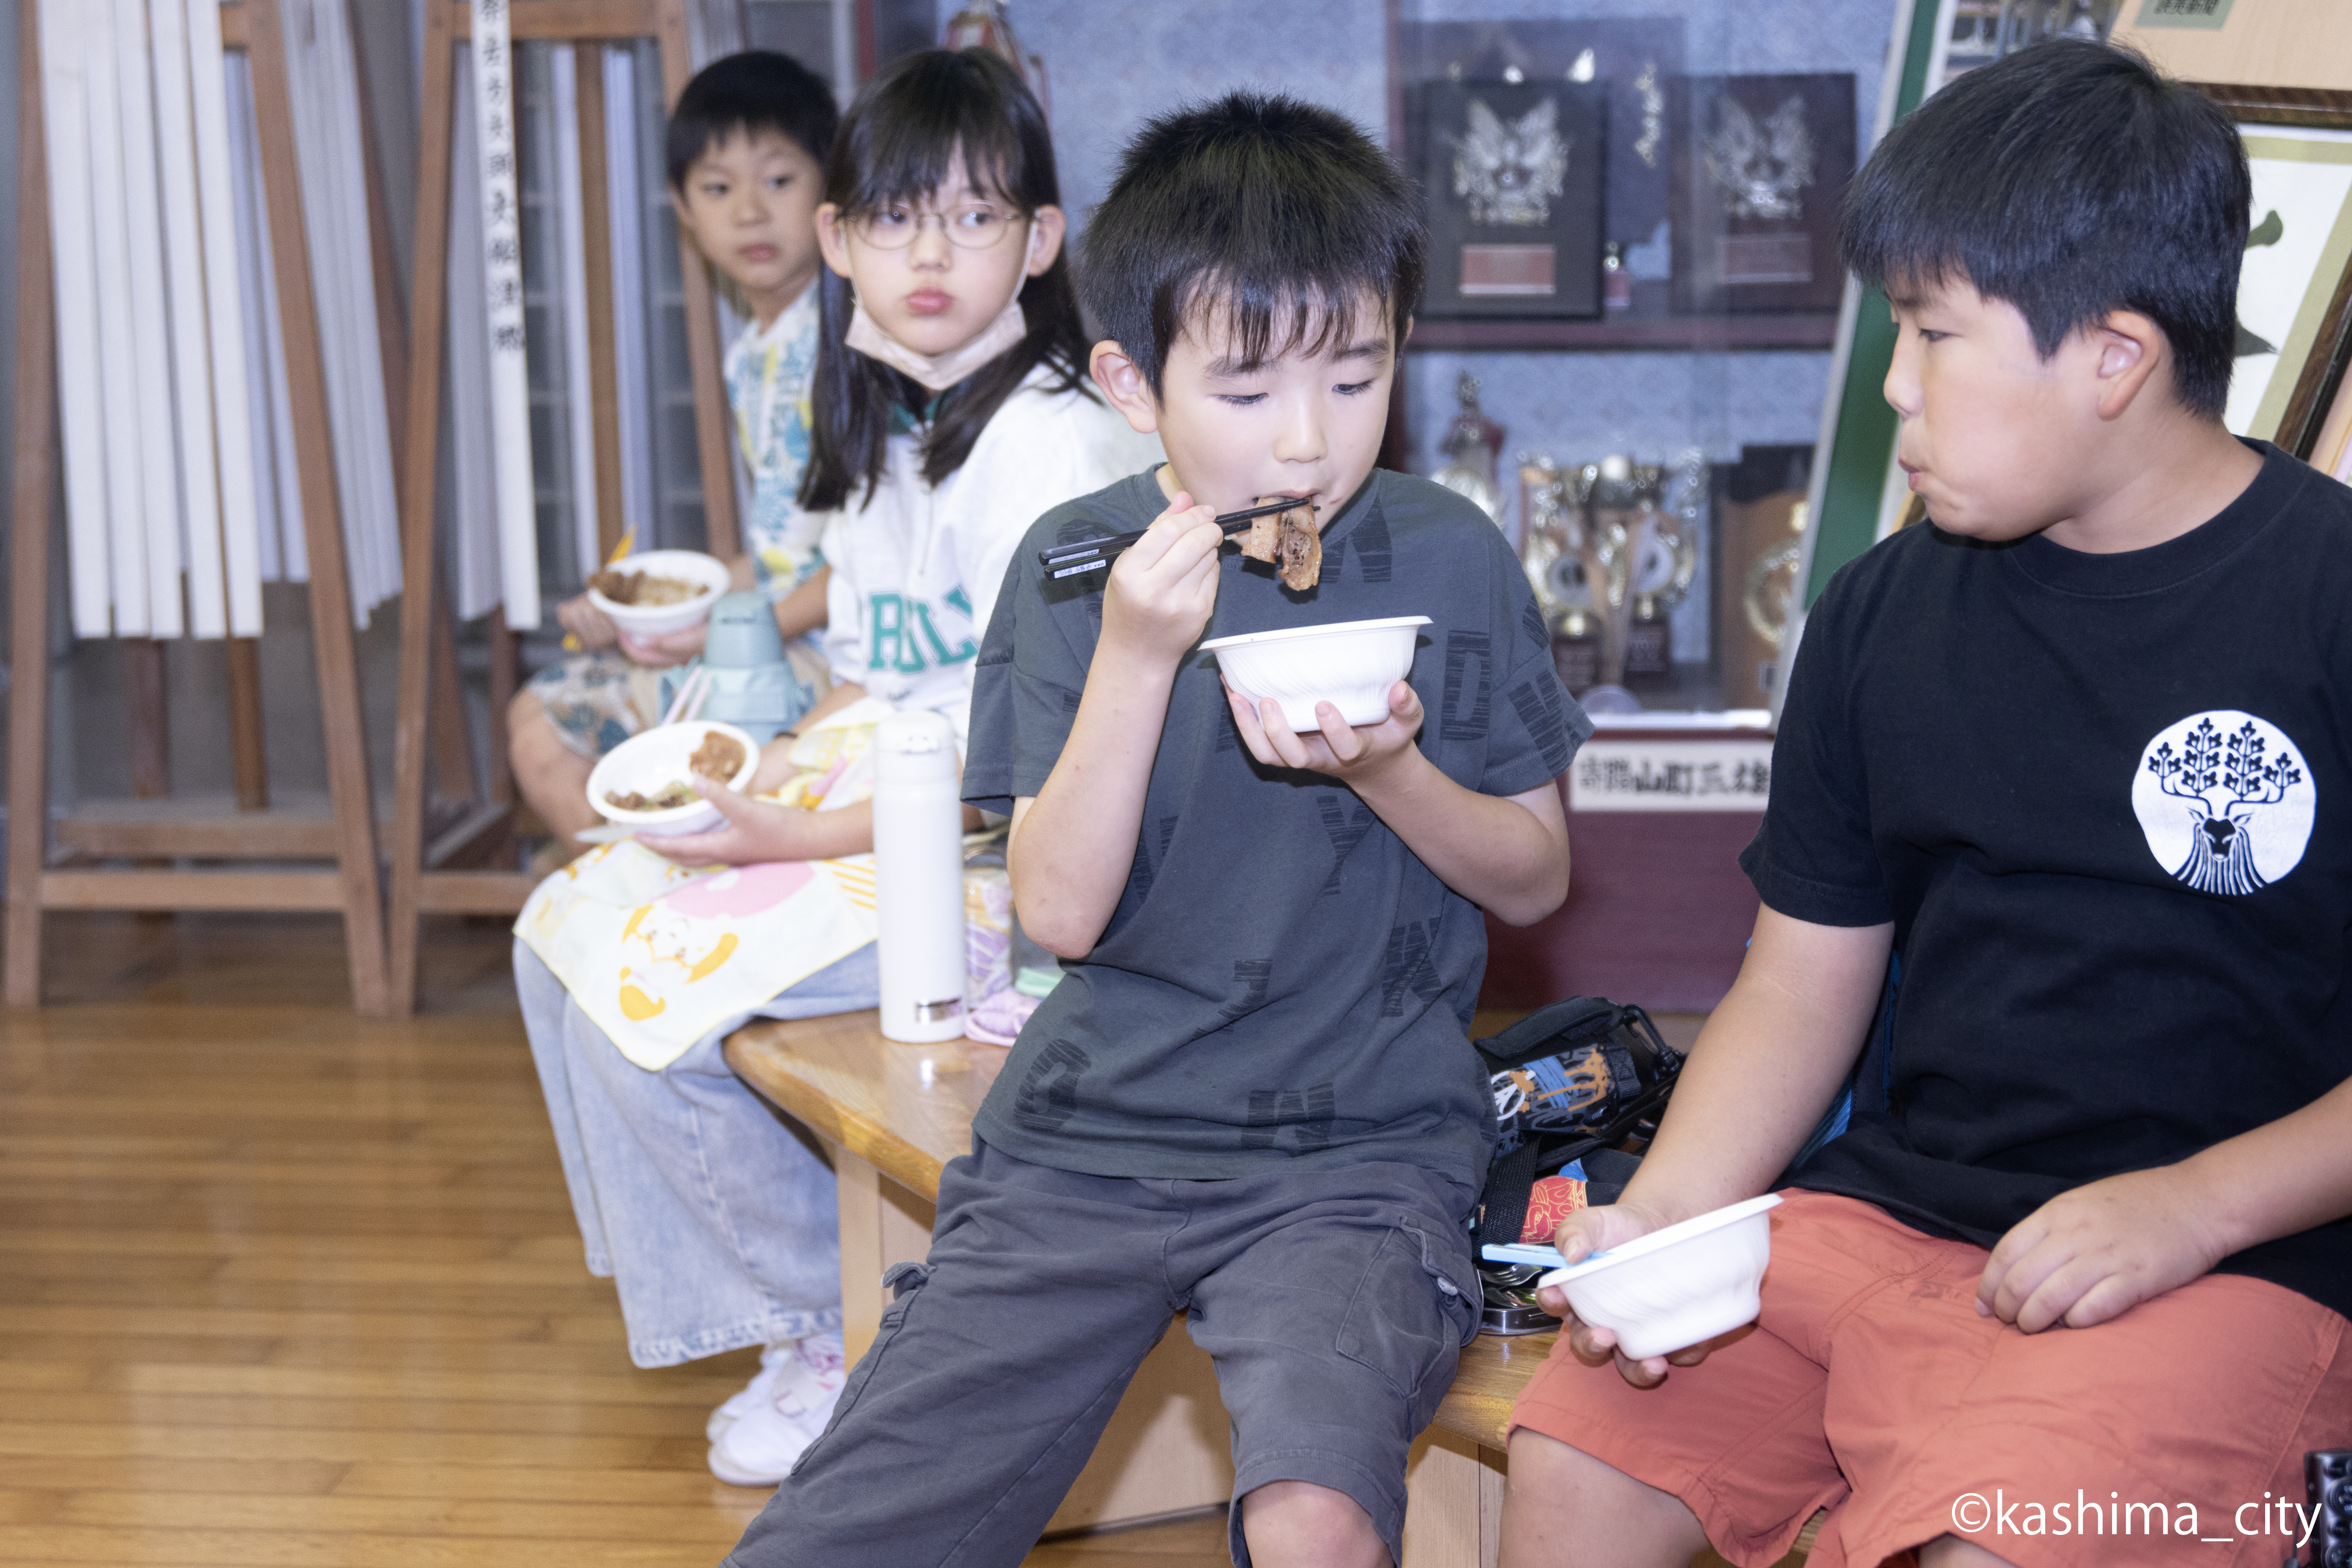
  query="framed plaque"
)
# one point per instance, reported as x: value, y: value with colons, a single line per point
x: 1758, y: 174
x: 1513, y: 178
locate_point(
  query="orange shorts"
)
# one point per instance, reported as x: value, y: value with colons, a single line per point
x: 1872, y: 1387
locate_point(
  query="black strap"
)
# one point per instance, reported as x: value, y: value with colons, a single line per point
x: 1503, y: 1208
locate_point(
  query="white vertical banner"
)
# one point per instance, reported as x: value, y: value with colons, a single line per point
x: 572, y: 240
x: 322, y: 79
x: 473, y: 514
x: 151, y: 320
x: 118, y: 341
x: 494, y: 105
x: 73, y: 249
x: 192, y: 381
x: 282, y: 552
x: 231, y: 412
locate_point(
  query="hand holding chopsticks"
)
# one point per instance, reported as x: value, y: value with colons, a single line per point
x: 1087, y: 554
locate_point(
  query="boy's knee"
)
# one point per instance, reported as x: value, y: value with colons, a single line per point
x: 1300, y: 1523
x: 524, y: 710
x: 1557, y: 1496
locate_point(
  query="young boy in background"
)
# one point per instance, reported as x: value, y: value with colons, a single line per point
x: 745, y: 153
x: 1252, y: 1098
x: 2073, y: 1287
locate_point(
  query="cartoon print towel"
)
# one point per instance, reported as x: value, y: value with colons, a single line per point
x: 659, y: 956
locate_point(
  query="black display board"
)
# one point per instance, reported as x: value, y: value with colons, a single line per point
x: 1759, y: 168
x: 1514, y: 176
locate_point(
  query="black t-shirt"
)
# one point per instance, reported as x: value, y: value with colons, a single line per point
x: 1282, y: 979
x: 2085, y: 789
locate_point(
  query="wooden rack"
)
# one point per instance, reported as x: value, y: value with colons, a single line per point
x: 588, y: 25
x: 342, y: 828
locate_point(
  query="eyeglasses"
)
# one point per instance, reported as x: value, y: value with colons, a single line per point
x: 967, y: 226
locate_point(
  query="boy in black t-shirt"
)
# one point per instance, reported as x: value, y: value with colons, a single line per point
x: 2072, y: 1289
x: 1252, y: 1098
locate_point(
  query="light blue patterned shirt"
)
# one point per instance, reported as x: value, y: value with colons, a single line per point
x: 768, y: 378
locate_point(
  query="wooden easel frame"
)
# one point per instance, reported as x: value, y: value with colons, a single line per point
x: 352, y: 888
x: 588, y: 25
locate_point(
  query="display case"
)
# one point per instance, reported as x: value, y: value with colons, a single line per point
x: 1636, y: 334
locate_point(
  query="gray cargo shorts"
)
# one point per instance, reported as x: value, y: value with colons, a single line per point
x: 1333, y: 1302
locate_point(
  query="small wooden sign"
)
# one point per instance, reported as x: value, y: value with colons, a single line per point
x: 1671, y: 775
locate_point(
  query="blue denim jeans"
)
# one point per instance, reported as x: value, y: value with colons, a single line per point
x: 713, y: 1212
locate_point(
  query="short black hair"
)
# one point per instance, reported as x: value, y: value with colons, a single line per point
x: 898, y: 144
x: 758, y: 89
x: 1273, y: 212
x: 2070, y: 179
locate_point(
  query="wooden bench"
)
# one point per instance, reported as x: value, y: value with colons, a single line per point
x: 892, y: 1115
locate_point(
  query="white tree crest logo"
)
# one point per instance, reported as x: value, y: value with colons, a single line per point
x: 2226, y: 802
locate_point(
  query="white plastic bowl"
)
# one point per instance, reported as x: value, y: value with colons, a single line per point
x: 651, y: 620
x: 1671, y: 1289
x: 1350, y: 665
x: 652, y: 758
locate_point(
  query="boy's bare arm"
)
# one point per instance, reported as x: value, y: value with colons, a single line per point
x: 1508, y: 855
x: 1766, y: 1066
x: 1764, y: 1069
x: 1073, y: 842
x: 2088, y: 1255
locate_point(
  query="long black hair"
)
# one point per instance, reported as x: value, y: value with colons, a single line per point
x: 894, y: 146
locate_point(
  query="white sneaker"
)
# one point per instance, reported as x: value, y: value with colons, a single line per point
x: 761, y: 1447
x: 774, y: 1361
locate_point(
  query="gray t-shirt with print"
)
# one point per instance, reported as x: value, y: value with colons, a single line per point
x: 1282, y: 979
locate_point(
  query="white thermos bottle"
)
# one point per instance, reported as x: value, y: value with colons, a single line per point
x: 919, y: 876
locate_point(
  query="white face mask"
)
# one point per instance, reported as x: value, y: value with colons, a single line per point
x: 939, y: 372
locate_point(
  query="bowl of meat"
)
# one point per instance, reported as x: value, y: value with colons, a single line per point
x: 645, y: 782
x: 659, y: 591
x: 1348, y: 664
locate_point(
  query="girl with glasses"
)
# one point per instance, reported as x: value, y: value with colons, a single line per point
x: 949, y: 411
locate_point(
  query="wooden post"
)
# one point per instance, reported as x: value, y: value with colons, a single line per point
x: 429, y: 279
x: 506, y: 663
x: 596, y: 228
x: 28, y: 601
x: 452, y: 745
x: 453, y: 750
x: 244, y: 729
x: 149, y: 723
x: 330, y: 604
x: 724, y: 538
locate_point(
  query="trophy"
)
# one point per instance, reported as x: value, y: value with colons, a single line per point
x: 1552, y: 549
x: 1471, y: 446
x: 986, y: 24
x: 1608, y: 562
x: 1663, y: 570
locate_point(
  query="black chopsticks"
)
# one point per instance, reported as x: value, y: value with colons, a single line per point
x: 1086, y: 554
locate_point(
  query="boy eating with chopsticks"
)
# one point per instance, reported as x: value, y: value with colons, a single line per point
x: 1252, y: 1100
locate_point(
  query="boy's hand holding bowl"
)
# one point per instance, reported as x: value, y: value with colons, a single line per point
x: 1655, y: 1295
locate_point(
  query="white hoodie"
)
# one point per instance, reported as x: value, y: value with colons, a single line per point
x: 916, y: 572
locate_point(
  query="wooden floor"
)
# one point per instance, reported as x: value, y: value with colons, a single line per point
x: 279, y: 1284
